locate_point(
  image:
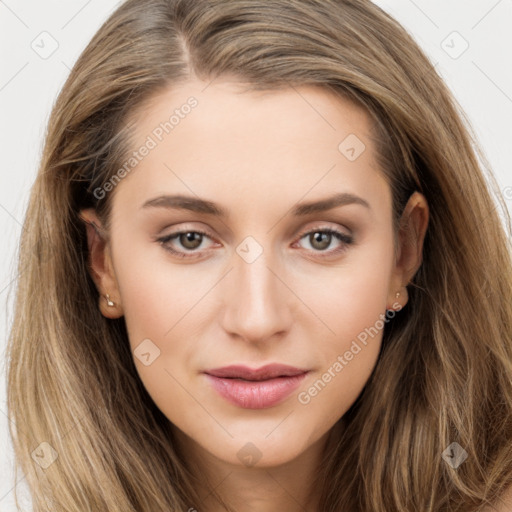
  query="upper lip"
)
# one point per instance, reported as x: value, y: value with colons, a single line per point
x: 269, y: 371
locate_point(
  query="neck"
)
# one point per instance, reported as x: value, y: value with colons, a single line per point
x: 292, y: 486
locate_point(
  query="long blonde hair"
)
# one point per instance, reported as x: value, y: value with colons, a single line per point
x: 445, y: 370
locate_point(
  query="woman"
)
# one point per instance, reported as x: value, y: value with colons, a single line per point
x: 261, y: 270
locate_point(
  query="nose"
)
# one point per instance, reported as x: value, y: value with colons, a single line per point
x: 257, y: 301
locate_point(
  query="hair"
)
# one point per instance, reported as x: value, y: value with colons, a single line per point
x: 444, y: 372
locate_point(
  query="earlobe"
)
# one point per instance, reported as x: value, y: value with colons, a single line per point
x: 398, y: 300
x: 100, y: 265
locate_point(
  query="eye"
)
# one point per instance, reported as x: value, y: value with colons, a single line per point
x: 321, y: 238
x: 190, y: 240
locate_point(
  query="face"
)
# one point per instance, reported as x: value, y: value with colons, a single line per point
x: 279, y: 251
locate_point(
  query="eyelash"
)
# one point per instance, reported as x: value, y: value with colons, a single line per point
x: 342, y: 237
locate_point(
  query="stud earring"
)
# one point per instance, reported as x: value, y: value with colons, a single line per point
x: 109, y: 302
x: 397, y: 295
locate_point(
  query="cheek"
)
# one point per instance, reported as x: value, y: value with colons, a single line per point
x: 352, y: 304
x: 352, y: 297
x: 155, y: 293
x: 347, y: 357
x: 155, y: 299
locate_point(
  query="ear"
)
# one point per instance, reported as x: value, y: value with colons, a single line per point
x: 100, y: 264
x: 411, y: 237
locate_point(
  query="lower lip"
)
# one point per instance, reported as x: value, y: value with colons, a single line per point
x: 256, y: 394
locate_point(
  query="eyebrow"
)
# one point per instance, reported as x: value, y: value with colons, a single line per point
x: 197, y: 205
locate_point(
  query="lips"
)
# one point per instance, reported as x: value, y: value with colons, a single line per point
x: 269, y: 371
x: 255, y: 388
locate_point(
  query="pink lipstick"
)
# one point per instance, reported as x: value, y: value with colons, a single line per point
x: 256, y: 388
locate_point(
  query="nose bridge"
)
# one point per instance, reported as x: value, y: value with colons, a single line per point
x: 256, y: 301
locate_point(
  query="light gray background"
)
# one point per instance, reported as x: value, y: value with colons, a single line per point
x: 30, y: 78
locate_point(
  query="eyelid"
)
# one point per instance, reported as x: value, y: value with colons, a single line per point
x: 324, y: 227
x: 188, y: 229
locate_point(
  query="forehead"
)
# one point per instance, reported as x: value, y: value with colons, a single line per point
x: 302, y: 110
x: 220, y: 140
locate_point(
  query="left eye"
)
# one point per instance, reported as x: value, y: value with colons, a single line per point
x: 319, y: 239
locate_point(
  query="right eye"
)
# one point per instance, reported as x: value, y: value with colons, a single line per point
x: 189, y: 239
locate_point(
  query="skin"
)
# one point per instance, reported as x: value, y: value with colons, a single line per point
x: 256, y: 154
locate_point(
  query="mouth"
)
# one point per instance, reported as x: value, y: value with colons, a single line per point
x: 256, y: 388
